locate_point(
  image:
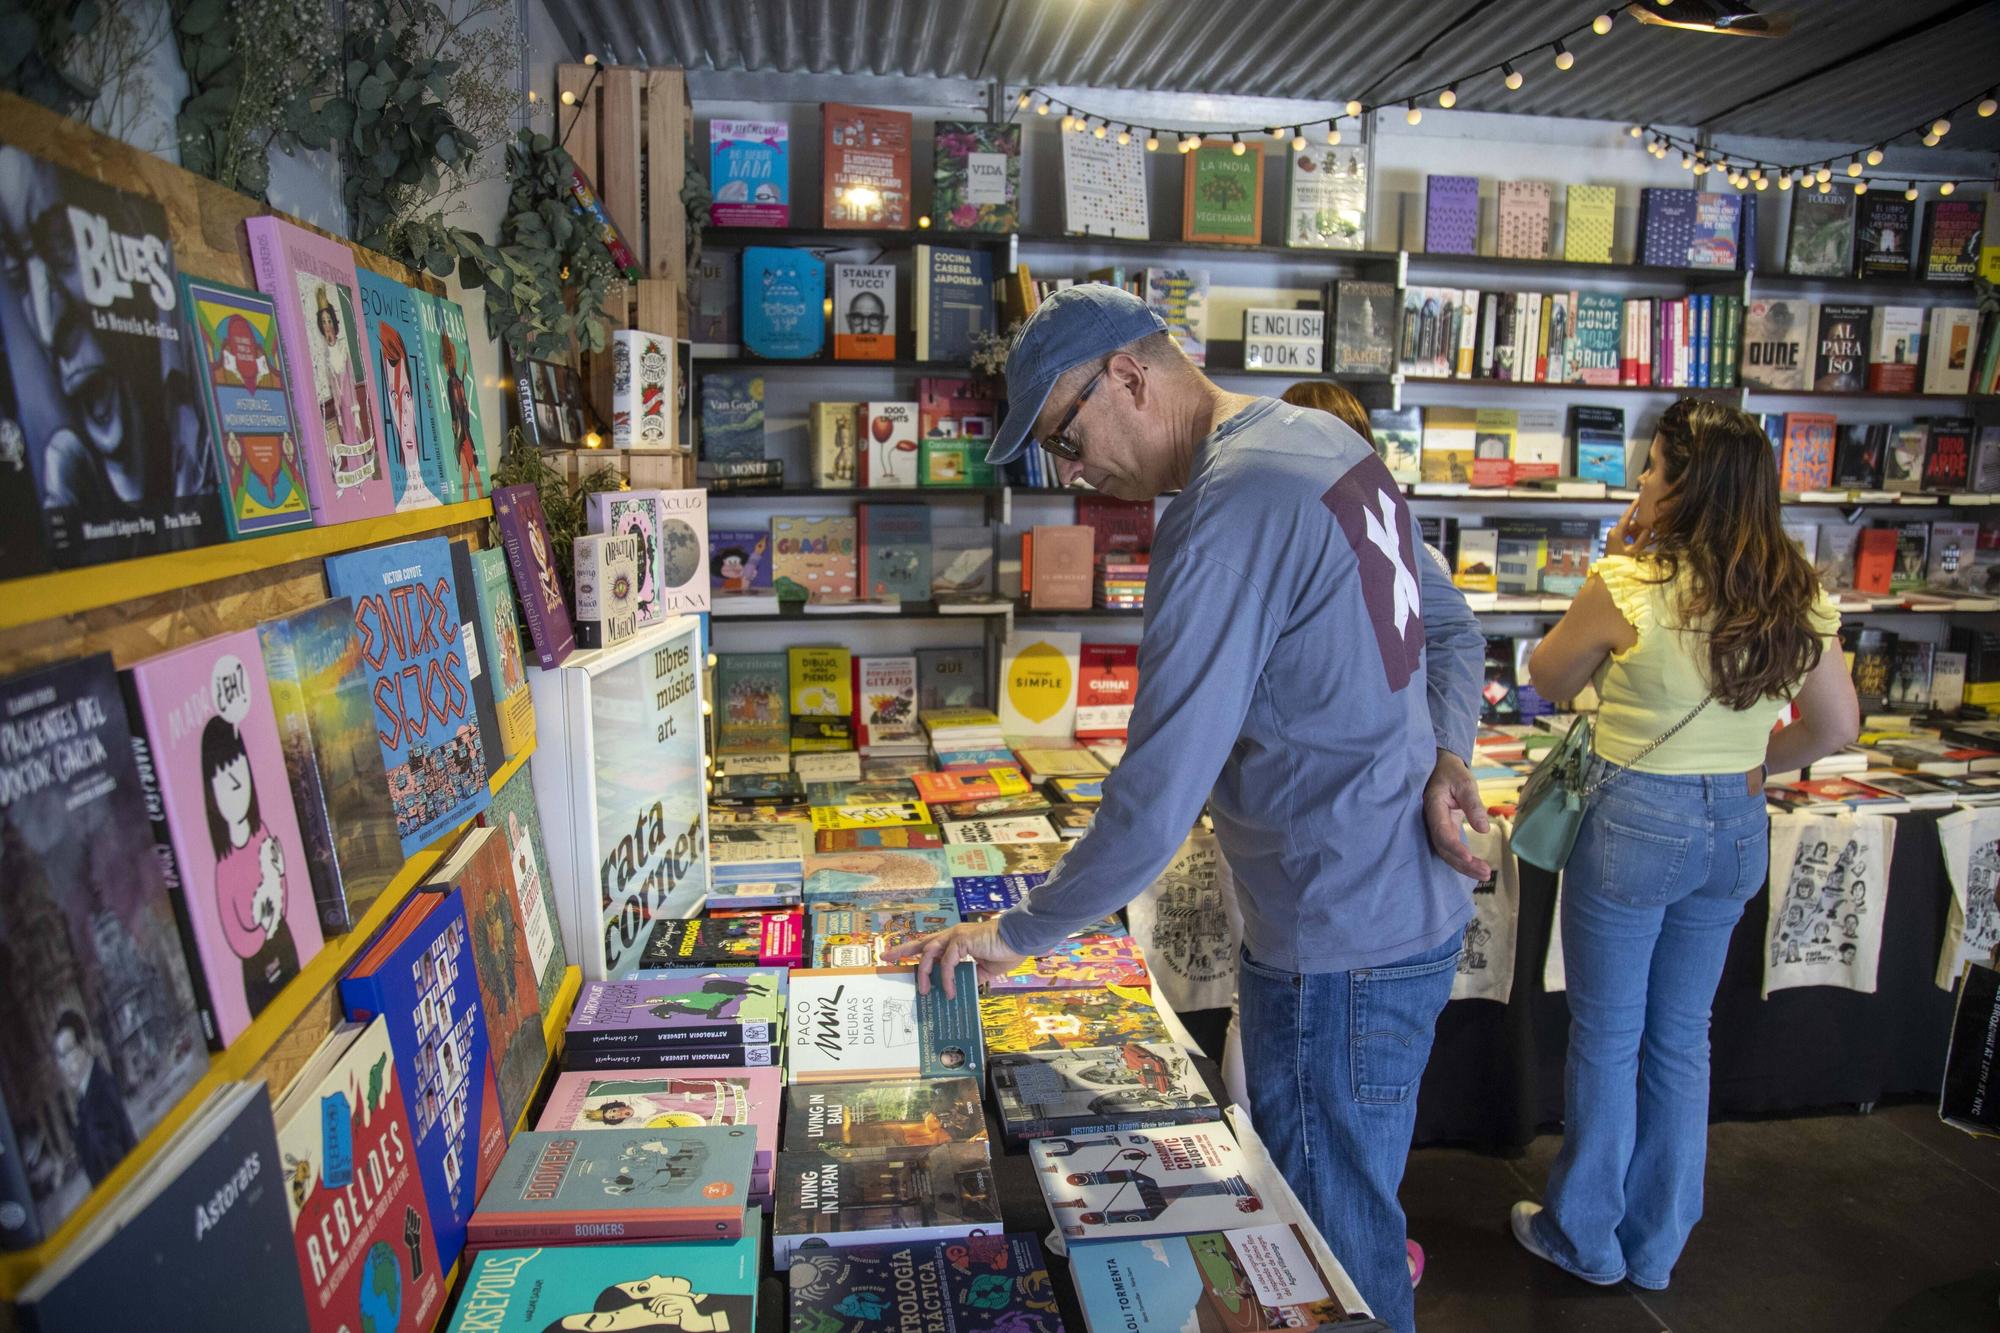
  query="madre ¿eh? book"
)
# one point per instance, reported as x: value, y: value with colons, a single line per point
x: 1284, y: 341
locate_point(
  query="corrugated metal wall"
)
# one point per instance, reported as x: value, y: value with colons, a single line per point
x: 1857, y: 82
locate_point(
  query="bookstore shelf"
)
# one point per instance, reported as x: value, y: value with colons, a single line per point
x: 1420, y: 262
x: 954, y: 368
x: 1536, y: 386
x: 68, y: 591
x: 241, y: 1058
x: 884, y: 493
x: 1962, y: 292
x: 733, y: 238
x: 797, y: 615
x: 1864, y: 394
x: 1308, y: 256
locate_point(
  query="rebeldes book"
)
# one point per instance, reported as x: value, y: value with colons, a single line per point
x: 481, y: 867
x: 617, y: 1185
x: 244, y: 893
x: 514, y: 814
x: 406, y: 614
x: 500, y: 651
x: 864, y: 1196
x: 749, y: 168
x: 418, y: 975
x: 326, y: 719
x: 95, y: 976
x: 884, y: 1113
x: 1222, y: 193
x: 690, y: 1007
x: 1145, y: 1182
x: 723, y: 1097
x: 976, y: 180
x: 709, y: 1284
x: 866, y: 167
x: 1840, y: 357
x: 524, y: 534
x: 357, y: 1204
x: 1055, y: 1020
x: 418, y: 476
x: 105, y: 453
x: 331, y: 377
x: 980, y: 1284
x: 1210, y: 1279
x: 240, y: 377
x: 858, y: 1023
x: 1101, y: 1090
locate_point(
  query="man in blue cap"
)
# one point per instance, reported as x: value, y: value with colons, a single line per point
x: 1308, y: 670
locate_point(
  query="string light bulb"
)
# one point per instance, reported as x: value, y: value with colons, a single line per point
x: 1911, y: 193
x: 590, y: 57
x: 1100, y: 132
x: 1152, y: 143
x: 1563, y: 58
x: 1021, y: 102
x: 1042, y: 107
x: 1854, y: 166
x: 1634, y: 131
x: 1415, y: 114
x: 1512, y: 77
x: 924, y: 222
x: 1988, y: 105
x: 1875, y: 156
x: 1068, y: 122
x: 1332, y: 134
x: 1353, y: 107
x: 1298, y: 141
x: 1861, y: 187
x: 1190, y: 142
x: 1124, y: 137
x: 1940, y: 127
x: 568, y: 98
x: 1601, y: 24
x: 1449, y: 97
x: 1931, y: 141
x: 1825, y: 174
x: 1236, y: 146
x: 1785, y: 181
x: 1947, y: 187
x: 1687, y: 163
x: 1276, y: 131
x: 1762, y: 182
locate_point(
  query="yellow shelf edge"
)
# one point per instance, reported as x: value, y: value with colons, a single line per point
x: 63, y: 592
x: 241, y: 1057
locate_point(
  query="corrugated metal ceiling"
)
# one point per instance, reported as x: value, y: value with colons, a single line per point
x: 1850, y: 70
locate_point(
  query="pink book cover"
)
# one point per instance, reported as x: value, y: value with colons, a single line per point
x: 220, y: 767
x: 330, y: 375
x: 668, y: 1099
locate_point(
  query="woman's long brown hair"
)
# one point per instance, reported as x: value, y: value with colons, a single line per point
x: 1748, y: 583
x: 1327, y: 396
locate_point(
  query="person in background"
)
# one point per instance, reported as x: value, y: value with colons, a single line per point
x: 1700, y: 623
x: 1313, y: 679
x: 1334, y: 400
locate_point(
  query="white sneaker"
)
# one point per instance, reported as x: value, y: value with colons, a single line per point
x: 1522, y: 1220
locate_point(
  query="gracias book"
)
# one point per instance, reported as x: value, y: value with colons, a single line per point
x: 617, y: 1186
x: 406, y: 615
x: 332, y: 380
x: 94, y: 964
x: 365, y: 1248
x: 243, y: 893
x: 240, y: 378
x: 708, y: 1284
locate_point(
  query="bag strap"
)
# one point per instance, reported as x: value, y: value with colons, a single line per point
x: 1659, y: 740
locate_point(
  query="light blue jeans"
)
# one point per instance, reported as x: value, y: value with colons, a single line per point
x: 1333, y: 1060
x: 1662, y: 868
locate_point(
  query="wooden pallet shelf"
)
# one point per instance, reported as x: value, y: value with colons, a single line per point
x: 243, y: 1057
x: 69, y: 591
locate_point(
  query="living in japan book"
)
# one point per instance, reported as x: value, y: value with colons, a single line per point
x: 740, y: 1007
x: 105, y: 1019
x: 1145, y: 1182
x: 872, y: 1196
x: 406, y: 615
x: 706, y: 1284
x: 418, y: 974
x: 617, y: 1186
x: 243, y: 893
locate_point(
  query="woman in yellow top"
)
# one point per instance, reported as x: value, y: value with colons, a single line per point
x: 1704, y: 616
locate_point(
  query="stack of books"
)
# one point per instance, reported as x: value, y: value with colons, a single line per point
x: 1121, y: 583
x: 680, y: 1018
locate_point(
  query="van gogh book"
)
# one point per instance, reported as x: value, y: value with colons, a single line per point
x: 884, y: 1113
x: 418, y: 477
x: 406, y: 614
x: 617, y: 1186
x: 357, y: 1204
x: 872, y: 1196
x: 1105, y: 1089
x: 1145, y: 1182
x: 245, y: 897
x: 105, y: 1013
x: 332, y: 379
x: 980, y: 1284
x: 326, y: 719
x: 418, y: 974
x: 707, y: 1284
x: 240, y: 373
x: 856, y: 1023
x: 741, y: 1007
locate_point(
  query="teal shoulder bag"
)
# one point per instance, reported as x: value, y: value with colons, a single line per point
x: 1555, y: 796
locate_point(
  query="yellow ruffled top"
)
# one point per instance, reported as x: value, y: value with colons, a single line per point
x: 1648, y: 687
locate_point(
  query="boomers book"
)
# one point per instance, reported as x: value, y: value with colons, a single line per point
x: 240, y: 378
x: 418, y: 974
x: 104, y: 1015
x: 244, y: 895
x: 365, y: 1249
x: 406, y: 612
x: 618, y: 1186
x: 709, y: 1284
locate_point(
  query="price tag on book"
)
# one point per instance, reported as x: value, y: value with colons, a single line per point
x: 336, y: 1134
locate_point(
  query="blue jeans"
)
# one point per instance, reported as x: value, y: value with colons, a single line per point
x: 1661, y: 870
x: 1337, y: 1114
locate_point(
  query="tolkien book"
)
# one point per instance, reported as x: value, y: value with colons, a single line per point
x: 1822, y: 235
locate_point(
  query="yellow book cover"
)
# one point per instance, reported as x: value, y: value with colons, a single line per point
x: 1590, y: 224
x: 822, y: 690
x: 898, y: 814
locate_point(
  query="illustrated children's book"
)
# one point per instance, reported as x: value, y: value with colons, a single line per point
x: 708, y: 1284
x: 365, y: 1248
x: 1145, y: 1182
x: 329, y: 372
x: 618, y: 1185
x: 240, y: 372
x: 406, y: 613
x: 418, y: 975
x: 105, y: 1015
x: 326, y: 719
x: 245, y: 894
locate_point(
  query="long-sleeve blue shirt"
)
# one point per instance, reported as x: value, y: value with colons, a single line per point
x: 1304, y: 659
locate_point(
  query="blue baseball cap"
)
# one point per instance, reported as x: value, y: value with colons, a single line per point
x: 1077, y: 325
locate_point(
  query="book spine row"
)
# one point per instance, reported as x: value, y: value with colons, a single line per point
x: 691, y: 1057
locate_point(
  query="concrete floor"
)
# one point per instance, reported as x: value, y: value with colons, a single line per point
x: 1887, y: 1221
